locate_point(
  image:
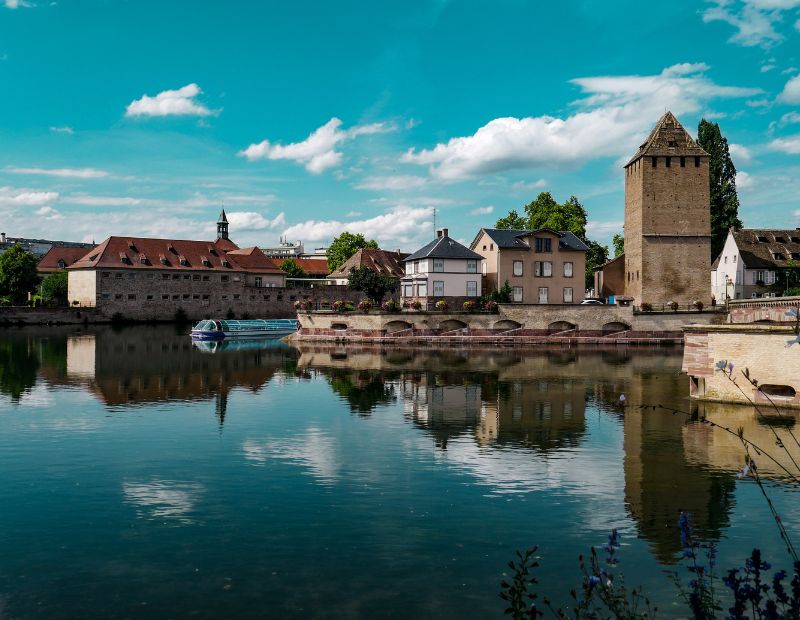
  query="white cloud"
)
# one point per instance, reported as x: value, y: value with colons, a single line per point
x: 603, y: 229
x: 740, y: 153
x: 790, y: 118
x: 790, y: 145
x: 744, y: 179
x: 754, y: 20
x: 353, y: 214
x: 613, y: 118
x: 758, y: 103
x: 393, y: 183
x: 64, y: 129
x: 522, y: 186
x: 789, y: 70
x: 250, y: 220
x: 318, y: 151
x: 15, y: 4
x: 401, y: 225
x: 49, y: 213
x: 482, y: 210
x: 791, y: 91
x: 11, y: 196
x: 179, y: 102
x: 767, y: 68
x: 75, y: 173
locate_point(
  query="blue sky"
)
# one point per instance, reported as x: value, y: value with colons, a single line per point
x: 309, y: 118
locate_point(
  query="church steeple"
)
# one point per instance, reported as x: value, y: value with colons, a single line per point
x: 222, y: 225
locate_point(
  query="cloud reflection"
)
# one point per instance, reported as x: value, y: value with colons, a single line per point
x: 164, y: 499
x: 314, y: 451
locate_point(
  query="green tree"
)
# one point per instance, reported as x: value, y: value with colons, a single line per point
x: 545, y: 212
x: 512, y: 221
x: 18, y: 275
x: 722, y: 180
x: 596, y: 256
x: 292, y: 269
x: 501, y: 296
x: 619, y: 244
x: 344, y: 246
x: 54, y: 288
x: 375, y: 285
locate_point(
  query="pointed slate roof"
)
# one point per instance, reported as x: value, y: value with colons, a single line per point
x: 668, y: 138
x: 512, y: 238
x: 222, y: 219
x: 444, y: 247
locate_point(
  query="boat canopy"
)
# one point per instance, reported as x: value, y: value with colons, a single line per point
x: 234, y: 325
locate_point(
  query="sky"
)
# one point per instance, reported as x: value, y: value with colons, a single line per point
x: 305, y: 119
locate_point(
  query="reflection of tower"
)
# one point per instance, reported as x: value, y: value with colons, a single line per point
x: 221, y: 407
x: 660, y: 481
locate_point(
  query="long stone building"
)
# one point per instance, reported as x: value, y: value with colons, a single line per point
x: 145, y: 278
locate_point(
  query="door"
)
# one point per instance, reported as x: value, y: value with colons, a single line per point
x: 543, y: 295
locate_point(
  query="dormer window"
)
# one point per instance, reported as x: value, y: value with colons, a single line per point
x: 205, y: 261
x: 163, y: 259
x: 795, y: 239
x: 184, y: 262
x: 762, y: 239
x: 795, y: 255
x: 212, y: 250
x: 778, y: 256
x: 171, y: 248
x: 62, y: 264
x: 225, y: 262
x: 142, y: 259
x: 779, y: 239
x: 131, y: 245
x: 123, y: 258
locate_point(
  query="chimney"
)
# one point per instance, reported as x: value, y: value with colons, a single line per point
x: 438, y: 234
x: 444, y: 232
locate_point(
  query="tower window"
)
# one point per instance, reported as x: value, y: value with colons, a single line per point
x: 696, y: 162
x: 673, y: 143
x: 654, y: 161
x: 780, y: 239
x: 669, y: 161
x: 683, y: 162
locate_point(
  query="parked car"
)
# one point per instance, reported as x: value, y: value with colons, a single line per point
x: 592, y: 302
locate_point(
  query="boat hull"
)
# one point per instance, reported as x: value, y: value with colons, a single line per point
x: 230, y: 329
x: 223, y: 335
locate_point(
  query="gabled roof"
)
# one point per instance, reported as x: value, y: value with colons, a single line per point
x: 758, y: 254
x: 312, y: 266
x: 50, y: 261
x: 382, y: 261
x: 668, y: 138
x: 616, y: 259
x: 444, y: 247
x: 513, y: 238
x: 174, y: 254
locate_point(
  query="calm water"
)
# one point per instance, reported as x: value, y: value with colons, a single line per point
x: 141, y: 477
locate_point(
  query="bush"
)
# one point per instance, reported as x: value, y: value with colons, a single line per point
x: 442, y: 305
x: 364, y: 305
x: 491, y: 306
x: 416, y: 305
x: 390, y: 305
x: 305, y: 304
x: 230, y: 314
x: 181, y: 317
x: 342, y: 306
x: 673, y: 305
x: 698, y: 304
x: 470, y: 306
x: 646, y: 307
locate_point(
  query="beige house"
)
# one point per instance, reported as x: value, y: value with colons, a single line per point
x: 442, y: 269
x: 542, y: 266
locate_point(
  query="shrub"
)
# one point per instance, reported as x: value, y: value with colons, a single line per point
x: 698, y: 304
x: 341, y: 305
x: 181, y: 317
x: 364, y: 305
x: 305, y: 304
x: 470, y: 306
x: 646, y: 307
x: 416, y: 305
x: 491, y: 306
x: 230, y: 314
x: 673, y: 305
x: 390, y: 305
x: 442, y: 305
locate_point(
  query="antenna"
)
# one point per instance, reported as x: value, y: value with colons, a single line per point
x: 434, y: 221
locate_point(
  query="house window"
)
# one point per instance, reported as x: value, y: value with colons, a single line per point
x: 410, y: 268
x: 696, y: 162
x: 483, y: 267
x: 516, y: 294
x: 567, y: 270
x: 472, y: 266
x: 734, y: 258
x: 778, y: 256
x: 186, y: 276
x: 438, y: 288
x: 669, y: 161
x: 568, y: 295
x: 205, y: 296
x: 484, y: 248
x: 779, y: 239
x: 106, y: 274
x: 225, y: 278
x: 517, y: 267
x: 131, y: 297
x: 472, y: 288
x: 62, y: 264
x: 654, y: 161
x: 165, y: 297
x: 418, y: 266
x: 206, y: 278
x: 258, y: 281
x: 683, y: 162
x: 543, y: 269
x: 236, y: 296
x: 758, y: 276
x: 726, y: 260
x: 544, y: 295
x: 165, y: 276
x: 543, y: 244
x: 118, y: 296
x: 176, y: 276
x: 422, y: 289
x: 491, y: 247
x: 438, y: 265
x: 196, y: 277
x: 185, y: 296
x: 407, y: 290
x: 149, y: 298
x: 105, y: 296
x: 118, y: 276
x: 762, y: 239
x: 176, y: 297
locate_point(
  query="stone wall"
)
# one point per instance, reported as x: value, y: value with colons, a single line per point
x: 42, y: 316
x: 763, y: 310
x: 762, y: 350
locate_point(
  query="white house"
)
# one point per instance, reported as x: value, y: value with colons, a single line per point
x: 753, y: 260
x: 443, y: 269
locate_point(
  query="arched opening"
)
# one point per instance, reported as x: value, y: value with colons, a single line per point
x: 507, y: 324
x: 615, y: 326
x: 561, y: 326
x: 451, y: 324
x: 397, y: 326
x: 785, y: 392
x: 339, y: 326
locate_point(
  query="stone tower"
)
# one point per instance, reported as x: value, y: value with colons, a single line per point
x: 222, y: 226
x: 668, y: 219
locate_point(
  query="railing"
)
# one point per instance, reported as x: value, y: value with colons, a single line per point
x: 677, y: 308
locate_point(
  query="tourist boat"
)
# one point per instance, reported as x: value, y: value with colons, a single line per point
x: 213, y: 329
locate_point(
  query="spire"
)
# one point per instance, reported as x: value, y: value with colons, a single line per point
x: 222, y: 225
x: 668, y: 138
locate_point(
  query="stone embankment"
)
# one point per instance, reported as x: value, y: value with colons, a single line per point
x: 12, y: 315
x: 514, y: 324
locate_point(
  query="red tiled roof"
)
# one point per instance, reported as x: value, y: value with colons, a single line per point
x: 381, y: 261
x: 313, y: 266
x: 49, y: 262
x: 144, y: 253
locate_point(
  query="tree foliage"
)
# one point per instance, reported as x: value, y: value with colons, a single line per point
x: 619, y: 244
x: 18, y: 275
x: 292, y: 269
x: 375, y: 285
x: 596, y: 256
x: 501, y: 296
x: 722, y: 179
x: 344, y: 246
x: 512, y: 221
x: 54, y: 288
